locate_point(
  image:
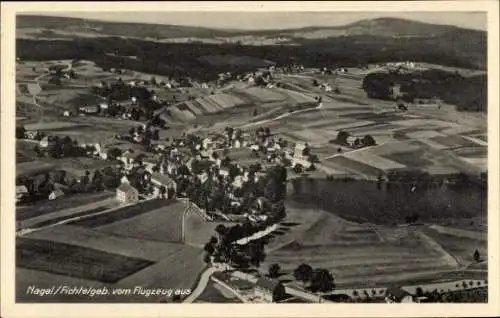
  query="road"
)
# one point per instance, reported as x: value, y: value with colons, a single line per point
x: 202, y: 284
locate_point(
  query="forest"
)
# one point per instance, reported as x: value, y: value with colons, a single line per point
x: 467, y: 93
x: 190, y: 59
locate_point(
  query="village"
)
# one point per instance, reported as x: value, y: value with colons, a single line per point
x: 233, y: 176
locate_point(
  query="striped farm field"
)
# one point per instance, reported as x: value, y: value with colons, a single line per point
x: 263, y: 95
x: 373, y: 160
x: 346, y: 125
x: 66, y: 259
x: 367, y: 264
x: 459, y: 130
x: 193, y: 108
x: 393, y: 147
x: 163, y: 224
x: 54, y: 256
x: 314, y: 136
x: 481, y: 163
x: 424, y: 134
x: 55, y: 125
x: 374, y: 129
x: 327, y: 122
x: 205, y: 106
x: 472, y: 152
x: 413, y: 159
x: 355, y: 166
x: 454, y: 141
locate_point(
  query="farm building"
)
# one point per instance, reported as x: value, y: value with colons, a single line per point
x: 269, y: 290
x: 21, y: 192
x: 92, y: 109
x: 46, y: 142
x: 397, y: 295
x: 56, y: 194
x: 160, y: 180
x: 126, y: 193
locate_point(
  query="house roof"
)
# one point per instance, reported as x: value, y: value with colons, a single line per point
x: 125, y: 187
x: 58, y: 192
x: 21, y: 189
x: 396, y: 292
x: 267, y: 283
x: 161, y: 178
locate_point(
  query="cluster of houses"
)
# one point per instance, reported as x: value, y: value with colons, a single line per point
x: 254, y: 290
x: 163, y: 168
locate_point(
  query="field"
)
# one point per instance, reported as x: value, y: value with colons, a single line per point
x: 163, y: 224
x: 65, y: 259
x: 199, y: 231
x: 215, y: 293
x: 32, y: 168
x: 460, y: 246
x: 78, y: 166
x: 128, y: 247
x: 359, y: 255
x: 67, y: 202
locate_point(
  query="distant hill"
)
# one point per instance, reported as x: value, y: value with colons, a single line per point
x: 386, y: 27
x: 389, y: 27
x: 79, y: 26
x: 202, y: 53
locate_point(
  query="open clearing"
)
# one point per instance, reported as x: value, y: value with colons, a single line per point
x: 117, y: 259
x: 460, y: 246
x: 359, y: 254
x: 65, y: 259
x: 163, y: 224
x: 48, y: 206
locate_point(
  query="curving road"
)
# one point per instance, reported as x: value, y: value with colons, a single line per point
x: 202, y: 284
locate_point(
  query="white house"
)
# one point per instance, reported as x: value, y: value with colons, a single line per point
x: 398, y: 295
x: 55, y: 194
x: 21, y: 192
x: 224, y: 172
x: 299, y: 148
x: 254, y: 147
x: 44, y: 143
x: 238, y: 181
x: 207, y: 143
x: 127, y: 194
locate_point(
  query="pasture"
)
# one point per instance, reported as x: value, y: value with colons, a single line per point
x: 66, y: 259
x: 459, y: 243
x: 215, y: 293
x: 64, y: 203
x: 356, y: 254
x: 162, y: 224
x: 30, y: 168
x: 122, y: 257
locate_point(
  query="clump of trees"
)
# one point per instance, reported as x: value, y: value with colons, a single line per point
x: 343, y: 136
x: 63, y: 147
x: 316, y: 280
x: 467, y: 93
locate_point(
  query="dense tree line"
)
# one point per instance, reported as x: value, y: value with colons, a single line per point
x: 468, y: 93
x: 180, y: 60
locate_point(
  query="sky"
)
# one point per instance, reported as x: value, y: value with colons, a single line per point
x: 277, y: 20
